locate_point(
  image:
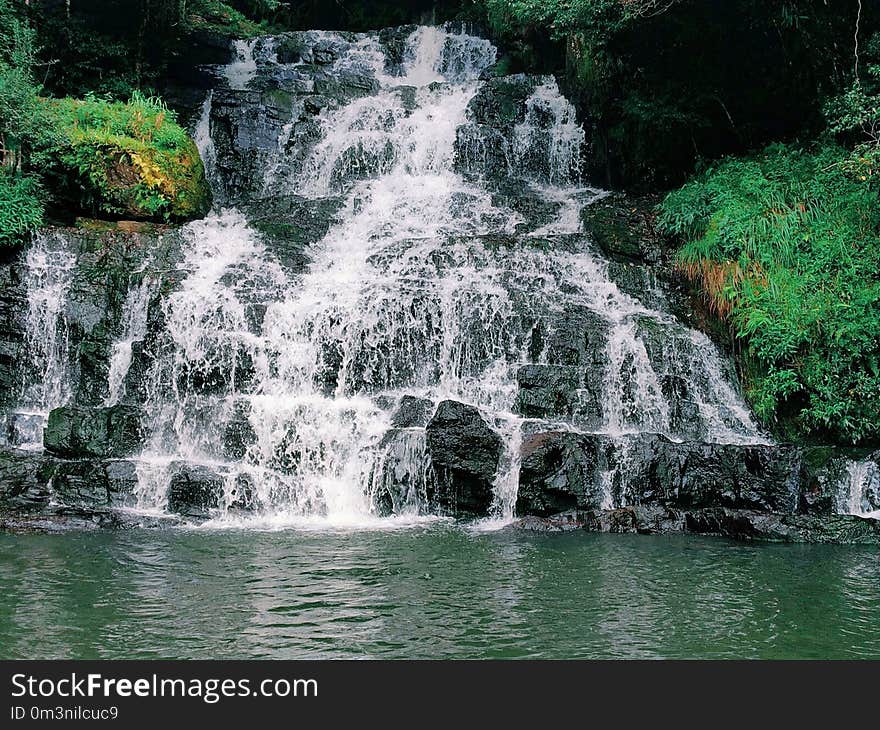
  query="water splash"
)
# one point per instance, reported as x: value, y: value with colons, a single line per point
x: 548, y: 143
x: 243, y: 69
x: 860, y: 484
x: 49, y: 270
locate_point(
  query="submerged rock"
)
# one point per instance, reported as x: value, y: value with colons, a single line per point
x: 737, y: 524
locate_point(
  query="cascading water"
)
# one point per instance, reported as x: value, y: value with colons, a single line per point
x: 284, y: 385
x: 49, y: 266
x: 859, y: 491
x: 134, y: 329
x: 243, y: 68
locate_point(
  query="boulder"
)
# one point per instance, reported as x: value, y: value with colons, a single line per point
x: 464, y: 454
x: 194, y: 491
x: 77, y: 432
x: 563, y: 470
x: 412, y: 412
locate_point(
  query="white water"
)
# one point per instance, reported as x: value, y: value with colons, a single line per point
x: 204, y: 141
x: 134, y: 328
x: 860, y: 478
x: 49, y: 266
x: 406, y: 294
x: 243, y: 69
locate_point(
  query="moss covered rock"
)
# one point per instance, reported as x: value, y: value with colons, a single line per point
x: 130, y: 160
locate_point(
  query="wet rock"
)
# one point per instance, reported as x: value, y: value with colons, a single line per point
x: 13, y: 307
x: 394, y: 44
x: 74, y: 431
x: 464, y: 453
x: 24, y: 480
x: 559, y: 472
x: 500, y: 102
x: 623, y: 228
x: 69, y: 519
x: 563, y: 470
x: 290, y: 224
x: 562, y: 522
x: 238, y: 433
x: 412, y: 411
x: 36, y: 482
x: 194, y: 491
x: 745, y: 477
x: 559, y: 391
x: 345, y: 85
x: 737, y: 524
x: 577, y: 336
x: 81, y: 484
x: 401, y: 480
x: 292, y: 48
x: 751, y: 525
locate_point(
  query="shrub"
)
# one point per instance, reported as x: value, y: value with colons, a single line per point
x: 21, y: 209
x: 786, y: 245
x: 125, y: 159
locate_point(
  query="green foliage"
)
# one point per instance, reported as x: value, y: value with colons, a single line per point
x: 220, y: 17
x: 21, y: 208
x: 129, y: 159
x: 20, y: 119
x: 787, y: 245
x: 665, y: 83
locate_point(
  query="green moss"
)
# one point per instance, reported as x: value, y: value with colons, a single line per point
x: 125, y: 159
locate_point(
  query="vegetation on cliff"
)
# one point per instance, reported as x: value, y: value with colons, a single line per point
x: 124, y: 159
x: 21, y: 124
x: 665, y: 83
x: 786, y: 245
x: 102, y: 157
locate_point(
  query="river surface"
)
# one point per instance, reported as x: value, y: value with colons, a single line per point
x: 431, y: 591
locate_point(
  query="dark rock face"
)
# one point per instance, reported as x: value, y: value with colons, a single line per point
x: 746, y: 492
x: 464, y: 453
x: 483, y: 146
x: 98, y: 432
x: 736, y: 524
x: 238, y: 435
x: 622, y: 228
x: 38, y: 482
x: 290, y: 224
x: 562, y: 470
x: 559, y: 391
x: 13, y: 305
x: 194, y: 491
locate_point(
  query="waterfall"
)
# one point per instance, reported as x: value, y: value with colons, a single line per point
x: 202, y: 137
x: 282, y: 386
x: 859, y: 490
x: 134, y: 329
x: 243, y: 68
x: 49, y: 269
